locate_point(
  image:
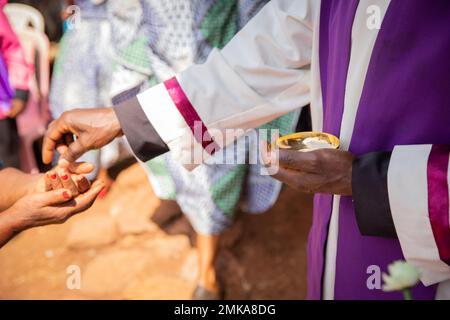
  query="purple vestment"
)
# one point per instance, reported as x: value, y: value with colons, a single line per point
x: 405, y: 100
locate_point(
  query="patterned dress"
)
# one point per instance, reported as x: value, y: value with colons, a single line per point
x: 153, y: 40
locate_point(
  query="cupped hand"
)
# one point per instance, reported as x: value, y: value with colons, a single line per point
x: 319, y: 171
x: 50, y: 207
x: 71, y: 178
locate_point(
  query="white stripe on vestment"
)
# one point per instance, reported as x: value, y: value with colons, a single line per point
x: 363, y: 41
x: 162, y: 113
x: 408, y: 198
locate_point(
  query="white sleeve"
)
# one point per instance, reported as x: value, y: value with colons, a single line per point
x: 418, y: 186
x: 261, y: 74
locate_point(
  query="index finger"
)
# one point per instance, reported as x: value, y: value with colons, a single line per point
x: 54, y: 134
x: 297, y: 160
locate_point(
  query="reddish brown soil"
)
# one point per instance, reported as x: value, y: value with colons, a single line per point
x: 123, y: 254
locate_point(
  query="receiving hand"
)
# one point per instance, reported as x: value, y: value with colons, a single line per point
x: 56, y: 206
x: 71, y: 178
x: 57, y: 195
x: 36, y: 200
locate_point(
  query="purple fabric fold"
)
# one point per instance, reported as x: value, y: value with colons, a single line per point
x: 405, y: 101
x: 336, y: 20
x: 438, y: 198
x: 6, y: 91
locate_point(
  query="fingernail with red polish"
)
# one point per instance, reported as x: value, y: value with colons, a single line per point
x: 53, y: 176
x: 66, y: 195
x: 65, y: 177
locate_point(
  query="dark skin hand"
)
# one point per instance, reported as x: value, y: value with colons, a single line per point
x: 320, y: 171
x: 93, y: 129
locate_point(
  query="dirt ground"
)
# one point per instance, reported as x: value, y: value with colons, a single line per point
x: 125, y: 247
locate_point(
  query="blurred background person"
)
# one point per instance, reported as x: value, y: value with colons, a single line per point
x: 14, y: 73
x: 153, y: 40
x: 82, y: 71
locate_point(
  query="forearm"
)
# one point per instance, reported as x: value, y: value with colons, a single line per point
x: 14, y: 185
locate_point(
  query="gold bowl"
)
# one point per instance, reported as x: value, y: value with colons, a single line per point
x: 308, y: 141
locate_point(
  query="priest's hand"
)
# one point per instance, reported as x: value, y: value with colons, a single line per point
x: 320, y: 171
x: 92, y: 128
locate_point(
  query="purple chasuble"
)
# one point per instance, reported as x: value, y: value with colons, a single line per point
x: 405, y: 100
x: 336, y: 18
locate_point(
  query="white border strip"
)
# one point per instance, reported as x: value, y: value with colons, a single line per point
x: 162, y: 113
x: 363, y: 41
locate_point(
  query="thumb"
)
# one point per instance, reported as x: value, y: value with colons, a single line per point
x: 55, y: 197
x: 80, y: 167
x: 74, y: 151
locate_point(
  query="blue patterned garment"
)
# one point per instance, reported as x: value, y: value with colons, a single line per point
x: 154, y: 40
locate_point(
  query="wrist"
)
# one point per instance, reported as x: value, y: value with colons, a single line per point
x: 11, y: 221
x: 115, y: 123
x: 348, y: 191
x: 19, y: 185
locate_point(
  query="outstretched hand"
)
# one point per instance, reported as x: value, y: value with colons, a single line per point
x: 47, y: 198
x: 59, y: 194
x: 78, y: 131
x: 71, y: 177
x: 56, y: 206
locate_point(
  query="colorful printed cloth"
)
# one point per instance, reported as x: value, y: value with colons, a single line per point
x: 153, y: 40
